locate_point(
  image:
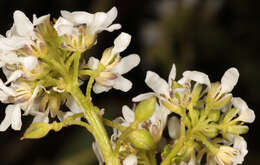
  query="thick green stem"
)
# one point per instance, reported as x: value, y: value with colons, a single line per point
x: 174, y: 151
x: 95, y: 122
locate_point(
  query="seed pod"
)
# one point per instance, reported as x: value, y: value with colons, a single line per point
x: 145, y: 109
x: 141, y: 139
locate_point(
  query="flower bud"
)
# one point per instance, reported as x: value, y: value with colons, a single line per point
x: 214, y: 115
x: 222, y: 102
x: 37, y: 130
x: 230, y: 115
x: 196, y: 92
x: 213, y: 92
x: 210, y: 132
x: 237, y: 129
x: 141, y: 139
x: 145, y: 109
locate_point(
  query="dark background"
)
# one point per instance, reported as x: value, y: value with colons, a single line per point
x: 209, y: 36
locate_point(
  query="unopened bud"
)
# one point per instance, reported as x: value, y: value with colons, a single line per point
x: 141, y: 139
x: 223, y: 101
x: 237, y: 129
x: 210, y: 132
x: 196, y: 92
x: 145, y: 109
x: 214, y: 115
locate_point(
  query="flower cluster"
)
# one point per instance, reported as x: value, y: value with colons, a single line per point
x: 207, y: 119
x: 33, y: 86
x: 45, y: 62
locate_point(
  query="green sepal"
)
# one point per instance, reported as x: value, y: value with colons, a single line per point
x: 37, y: 130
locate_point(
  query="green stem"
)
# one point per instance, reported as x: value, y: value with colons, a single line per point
x: 76, y: 68
x: 114, y: 125
x: 95, y: 122
x: 152, y: 158
x: 174, y: 151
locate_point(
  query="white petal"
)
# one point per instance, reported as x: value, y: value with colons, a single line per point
x: 245, y: 114
x: 73, y: 106
x: 93, y: 63
x: 78, y: 17
x: 41, y: 117
x: 121, y: 43
x: 199, y: 77
x: 37, y: 21
x: 12, y: 43
x: 16, y: 117
x: 126, y: 64
x: 7, y: 90
x: 143, y: 96
x: 156, y: 83
x: 229, y: 80
x: 98, y: 153
x: 7, y: 120
x: 113, y: 27
x: 130, y: 160
x: 29, y: 62
x: 64, y: 26
x: 172, y: 75
x: 174, y: 127
x: 241, y: 145
x: 122, y: 84
x: 97, y: 88
x: 111, y: 16
x: 23, y: 25
x: 128, y: 114
x: 14, y: 76
x: 99, y: 19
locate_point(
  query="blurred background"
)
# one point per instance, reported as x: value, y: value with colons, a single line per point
x: 206, y: 35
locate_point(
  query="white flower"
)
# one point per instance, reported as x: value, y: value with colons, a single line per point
x: 130, y: 160
x: 95, y: 23
x: 196, y: 76
x: 158, y: 85
x: 111, y: 76
x: 241, y: 145
x: 245, y: 113
x: 12, y: 117
x: 226, y: 155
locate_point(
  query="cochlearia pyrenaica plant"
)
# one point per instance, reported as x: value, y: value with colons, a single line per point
x: 189, y: 121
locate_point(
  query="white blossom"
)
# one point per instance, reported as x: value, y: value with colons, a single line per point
x: 112, y: 77
x: 245, y: 113
x: 95, y: 23
x: 12, y: 117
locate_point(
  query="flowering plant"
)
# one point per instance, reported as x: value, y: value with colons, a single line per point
x: 44, y: 64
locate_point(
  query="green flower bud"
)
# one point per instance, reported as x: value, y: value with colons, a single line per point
x: 210, y: 132
x: 37, y: 130
x: 196, y: 92
x: 237, y: 129
x: 230, y: 115
x: 141, y: 139
x: 212, y: 92
x: 145, y: 109
x: 223, y: 101
x: 214, y: 115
